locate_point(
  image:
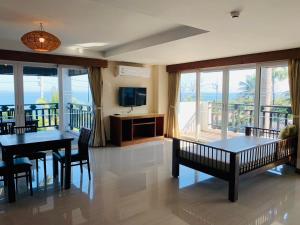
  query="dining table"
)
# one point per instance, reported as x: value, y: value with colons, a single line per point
x: 15, y: 144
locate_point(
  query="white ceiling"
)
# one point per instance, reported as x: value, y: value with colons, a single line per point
x: 263, y: 26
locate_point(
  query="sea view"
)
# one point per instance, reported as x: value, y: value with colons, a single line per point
x: 7, y: 98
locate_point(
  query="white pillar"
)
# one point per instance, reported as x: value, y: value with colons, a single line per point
x: 65, y: 96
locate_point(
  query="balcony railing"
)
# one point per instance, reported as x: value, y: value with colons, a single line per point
x: 43, y: 115
x: 46, y: 115
x: 239, y: 116
x: 80, y: 116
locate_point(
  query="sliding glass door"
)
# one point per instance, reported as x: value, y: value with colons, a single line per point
x: 7, y: 98
x: 210, y: 110
x: 241, y: 100
x: 216, y: 104
x: 49, y: 96
x: 187, y: 105
x: 275, y: 104
x: 77, y: 99
x: 41, y: 96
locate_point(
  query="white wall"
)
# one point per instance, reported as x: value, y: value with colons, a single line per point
x: 157, y: 91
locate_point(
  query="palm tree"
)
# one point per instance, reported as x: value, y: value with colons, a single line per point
x: 279, y: 74
x: 247, y: 88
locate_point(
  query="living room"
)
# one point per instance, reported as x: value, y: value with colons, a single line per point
x: 149, y: 112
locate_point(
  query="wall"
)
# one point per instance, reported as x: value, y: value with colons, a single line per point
x: 156, y: 97
x: 160, y: 79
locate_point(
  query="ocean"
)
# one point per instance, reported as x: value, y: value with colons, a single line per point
x: 7, y: 98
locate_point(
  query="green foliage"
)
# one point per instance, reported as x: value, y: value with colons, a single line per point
x: 41, y: 101
x: 55, y: 97
x: 280, y: 73
x: 247, y: 88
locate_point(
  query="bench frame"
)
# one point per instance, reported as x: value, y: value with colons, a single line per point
x: 276, y: 153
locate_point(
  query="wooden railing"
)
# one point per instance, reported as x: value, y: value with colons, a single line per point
x: 80, y: 116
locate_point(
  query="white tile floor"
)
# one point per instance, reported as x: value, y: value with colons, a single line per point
x: 133, y: 186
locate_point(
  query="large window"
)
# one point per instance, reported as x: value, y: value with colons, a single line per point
x: 275, y: 104
x: 41, y: 96
x: 187, y: 105
x: 216, y: 104
x: 210, y: 107
x: 78, y: 99
x: 7, y: 93
x: 241, y: 100
x: 49, y: 96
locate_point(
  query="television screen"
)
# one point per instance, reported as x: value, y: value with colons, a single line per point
x: 129, y: 96
x: 140, y: 96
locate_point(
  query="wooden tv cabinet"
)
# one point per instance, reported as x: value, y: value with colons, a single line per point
x: 134, y: 129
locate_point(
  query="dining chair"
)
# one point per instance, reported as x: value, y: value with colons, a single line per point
x: 21, y: 165
x: 32, y: 156
x: 80, y: 155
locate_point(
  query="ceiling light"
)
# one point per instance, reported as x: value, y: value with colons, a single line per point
x: 92, y: 44
x: 235, y: 14
x: 40, y: 40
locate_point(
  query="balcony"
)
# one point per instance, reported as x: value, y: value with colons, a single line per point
x: 46, y: 116
x: 239, y: 116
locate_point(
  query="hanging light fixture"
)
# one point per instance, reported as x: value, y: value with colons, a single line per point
x: 40, y: 40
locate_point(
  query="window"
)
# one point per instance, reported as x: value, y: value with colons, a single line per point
x: 241, y: 100
x: 210, y: 108
x: 215, y: 104
x: 275, y: 103
x: 187, y: 105
x: 7, y: 93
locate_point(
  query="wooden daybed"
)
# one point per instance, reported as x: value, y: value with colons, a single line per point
x: 259, y: 150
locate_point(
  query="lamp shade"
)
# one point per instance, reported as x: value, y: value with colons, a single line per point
x: 40, y: 40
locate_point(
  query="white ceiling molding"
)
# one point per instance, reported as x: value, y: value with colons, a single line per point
x: 170, y: 35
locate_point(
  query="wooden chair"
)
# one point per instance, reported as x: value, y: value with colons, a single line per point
x: 21, y: 165
x: 32, y: 156
x: 81, y: 155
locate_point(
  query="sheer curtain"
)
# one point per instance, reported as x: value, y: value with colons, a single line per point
x: 173, y: 94
x: 294, y: 82
x: 96, y: 84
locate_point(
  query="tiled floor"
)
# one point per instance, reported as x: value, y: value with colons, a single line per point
x: 133, y: 186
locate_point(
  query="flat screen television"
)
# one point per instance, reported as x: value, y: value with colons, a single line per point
x: 131, y: 96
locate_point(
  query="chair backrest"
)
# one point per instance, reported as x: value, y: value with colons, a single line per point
x: 5, y: 128
x: 83, y: 142
x: 24, y: 129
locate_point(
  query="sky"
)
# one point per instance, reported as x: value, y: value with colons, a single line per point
x: 209, y: 80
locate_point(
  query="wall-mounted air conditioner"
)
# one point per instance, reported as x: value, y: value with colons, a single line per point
x: 134, y: 71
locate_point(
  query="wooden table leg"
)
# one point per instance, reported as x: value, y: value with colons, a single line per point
x: 10, y: 178
x: 55, y: 166
x: 68, y: 165
x: 4, y: 158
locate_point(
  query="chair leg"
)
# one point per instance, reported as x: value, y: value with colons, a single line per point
x: 37, y: 165
x: 55, y: 167
x: 80, y: 163
x: 61, y: 174
x: 45, y: 167
x: 27, y: 175
x: 16, y: 182
x: 30, y: 182
x: 89, y: 169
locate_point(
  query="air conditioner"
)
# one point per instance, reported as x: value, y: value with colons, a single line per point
x: 134, y: 71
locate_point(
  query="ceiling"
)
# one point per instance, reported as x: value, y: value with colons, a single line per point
x: 149, y: 26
